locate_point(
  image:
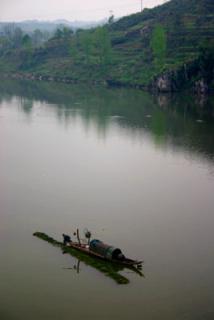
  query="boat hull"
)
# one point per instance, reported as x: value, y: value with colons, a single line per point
x: 85, y: 248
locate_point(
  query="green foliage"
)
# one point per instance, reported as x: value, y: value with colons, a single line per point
x: 73, y: 48
x: 37, y: 37
x: 27, y: 58
x: 86, y: 43
x: 13, y: 38
x: 17, y: 37
x: 206, y: 62
x: 103, y: 45
x: 111, y: 19
x: 133, y: 50
x: 26, y: 41
x: 159, y: 44
x: 93, y: 47
x: 63, y: 33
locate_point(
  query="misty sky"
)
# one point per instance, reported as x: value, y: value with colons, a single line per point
x: 17, y: 10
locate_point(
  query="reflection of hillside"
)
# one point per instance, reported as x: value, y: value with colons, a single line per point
x: 181, y: 121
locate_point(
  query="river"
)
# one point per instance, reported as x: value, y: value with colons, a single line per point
x: 136, y: 170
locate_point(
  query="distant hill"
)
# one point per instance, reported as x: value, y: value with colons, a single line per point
x: 30, y: 26
x: 168, y: 48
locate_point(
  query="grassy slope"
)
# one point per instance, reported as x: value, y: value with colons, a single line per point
x: 189, y: 24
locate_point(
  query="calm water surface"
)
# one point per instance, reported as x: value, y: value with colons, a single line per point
x: 136, y: 170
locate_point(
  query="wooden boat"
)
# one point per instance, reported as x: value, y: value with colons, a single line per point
x: 110, y: 268
x: 86, y: 249
x: 98, y: 249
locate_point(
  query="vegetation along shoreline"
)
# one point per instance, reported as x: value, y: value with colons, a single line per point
x: 165, y: 49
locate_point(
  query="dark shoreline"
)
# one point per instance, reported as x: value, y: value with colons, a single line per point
x: 152, y: 88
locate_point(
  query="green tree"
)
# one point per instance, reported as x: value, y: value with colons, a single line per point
x: 102, y: 42
x: 37, y: 37
x: 13, y: 36
x: 111, y: 19
x: 58, y: 34
x: 86, y: 43
x: 159, y: 44
x: 73, y: 48
x: 26, y: 41
x: 17, y: 37
x: 63, y: 33
x: 8, y: 31
x: 67, y: 32
x: 4, y: 44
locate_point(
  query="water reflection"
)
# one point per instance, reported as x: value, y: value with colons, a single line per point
x: 181, y: 121
x: 109, y: 269
x: 134, y: 185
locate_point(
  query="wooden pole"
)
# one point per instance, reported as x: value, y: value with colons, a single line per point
x: 78, y: 237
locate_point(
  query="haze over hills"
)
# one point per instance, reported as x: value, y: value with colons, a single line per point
x: 169, y: 46
x: 30, y: 26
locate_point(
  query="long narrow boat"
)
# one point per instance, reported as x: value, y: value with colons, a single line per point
x: 110, y: 253
x: 110, y: 268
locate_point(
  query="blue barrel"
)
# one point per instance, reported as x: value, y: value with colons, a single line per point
x: 105, y: 250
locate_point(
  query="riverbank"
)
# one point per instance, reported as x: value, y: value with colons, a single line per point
x: 167, y: 82
x: 165, y: 49
x: 68, y: 80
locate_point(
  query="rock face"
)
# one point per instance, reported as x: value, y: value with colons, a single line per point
x: 197, y: 76
x: 169, y: 81
x: 201, y: 87
x: 164, y: 83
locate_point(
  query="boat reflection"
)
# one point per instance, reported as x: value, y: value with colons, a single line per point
x: 108, y: 268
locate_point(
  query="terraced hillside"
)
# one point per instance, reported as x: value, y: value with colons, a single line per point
x: 132, y: 51
x: 188, y: 24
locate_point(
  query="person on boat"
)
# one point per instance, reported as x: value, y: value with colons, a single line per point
x: 66, y: 239
x: 120, y: 257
